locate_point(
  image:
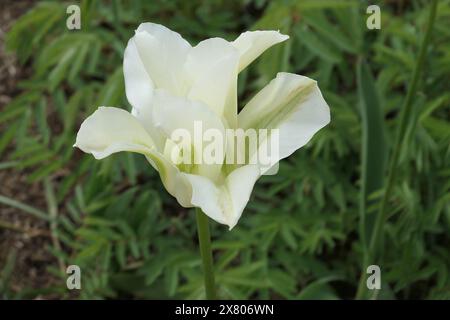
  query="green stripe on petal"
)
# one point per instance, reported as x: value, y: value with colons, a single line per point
x: 291, y: 103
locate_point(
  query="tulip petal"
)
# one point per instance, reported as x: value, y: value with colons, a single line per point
x: 139, y: 91
x: 225, y: 202
x: 291, y: 103
x: 211, y: 68
x: 138, y: 84
x: 172, y: 113
x: 109, y: 130
x: 163, y: 53
x: 252, y: 44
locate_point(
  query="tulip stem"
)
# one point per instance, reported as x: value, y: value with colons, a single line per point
x: 204, y: 239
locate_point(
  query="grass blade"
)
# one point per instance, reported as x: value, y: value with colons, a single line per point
x: 373, y: 146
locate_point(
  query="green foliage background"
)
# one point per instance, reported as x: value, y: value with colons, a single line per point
x: 302, y: 234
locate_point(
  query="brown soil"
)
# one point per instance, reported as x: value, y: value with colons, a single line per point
x: 21, y: 235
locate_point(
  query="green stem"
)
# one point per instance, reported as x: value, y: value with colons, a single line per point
x: 392, y: 170
x: 204, y: 239
x: 362, y: 280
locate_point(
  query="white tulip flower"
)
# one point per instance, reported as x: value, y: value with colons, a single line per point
x: 170, y: 85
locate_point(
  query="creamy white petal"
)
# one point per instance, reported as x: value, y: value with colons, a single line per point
x: 172, y: 113
x: 138, y: 84
x: 163, y: 53
x: 239, y: 184
x: 139, y: 90
x: 145, y: 117
x: 252, y: 44
x: 291, y: 103
x: 211, y: 68
x: 224, y: 202
x: 157, y: 53
x: 172, y: 178
x: 206, y: 195
x: 109, y: 130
